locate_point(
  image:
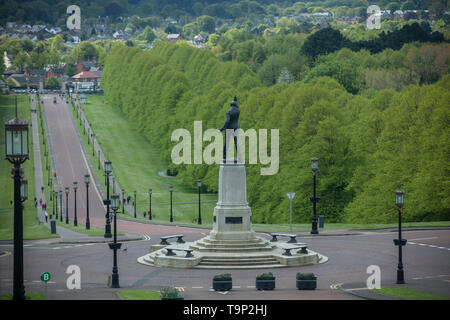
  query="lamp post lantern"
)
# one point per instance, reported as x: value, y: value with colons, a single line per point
x: 150, y: 191
x: 67, y: 205
x: 399, y: 201
x: 115, y: 205
x: 314, y: 199
x: 291, y: 197
x: 199, y: 185
x: 75, y: 187
x: 171, y: 214
x: 87, y: 179
x: 108, y: 170
x: 16, y: 152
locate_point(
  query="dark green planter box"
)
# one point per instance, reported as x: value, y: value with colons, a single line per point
x: 222, y: 285
x: 306, y: 284
x: 265, y: 284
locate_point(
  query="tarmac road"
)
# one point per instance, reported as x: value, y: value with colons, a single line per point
x: 427, y: 268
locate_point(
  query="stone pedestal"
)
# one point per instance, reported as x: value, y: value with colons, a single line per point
x: 232, y: 243
x: 232, y: 215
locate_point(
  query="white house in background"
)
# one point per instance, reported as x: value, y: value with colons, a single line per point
x: 86, y: 81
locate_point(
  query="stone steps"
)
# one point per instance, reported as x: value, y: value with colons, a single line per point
x: 219, y: 249
x: 229, y: 245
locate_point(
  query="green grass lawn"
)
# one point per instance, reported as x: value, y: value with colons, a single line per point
x: 139, y: 295
x: 407, y: 293
x: 136, y: 165
x: 28, y: 296
x: 32, y: 229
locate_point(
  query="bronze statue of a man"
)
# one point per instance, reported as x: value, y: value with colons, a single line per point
x: 231, y: 122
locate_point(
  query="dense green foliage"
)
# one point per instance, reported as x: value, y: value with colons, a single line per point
x: 368, y: 145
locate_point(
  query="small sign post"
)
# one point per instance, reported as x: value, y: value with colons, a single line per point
x: 45, y: 277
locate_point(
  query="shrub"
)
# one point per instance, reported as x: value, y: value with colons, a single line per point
x: 222, y: 277
x: 306, y: 276
x: 265, y: 276
x: 169, y: 292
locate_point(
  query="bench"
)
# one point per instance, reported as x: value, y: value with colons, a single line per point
x: 275, y: 235
x: 287, y: 251
x: 171, y: 253
x: 179, y: 240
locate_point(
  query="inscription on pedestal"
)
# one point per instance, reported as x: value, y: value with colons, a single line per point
x: 233, y: 220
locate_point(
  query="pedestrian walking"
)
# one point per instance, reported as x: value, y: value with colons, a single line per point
x: 40, y: 201
x: 46, y: 216
x: 44, y: 205
x: 149, y: 215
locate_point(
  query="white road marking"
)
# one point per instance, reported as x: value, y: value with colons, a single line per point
x: 197, y: 287
x: 429, y: 245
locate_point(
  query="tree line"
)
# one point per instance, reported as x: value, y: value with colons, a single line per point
x: 368, y: 145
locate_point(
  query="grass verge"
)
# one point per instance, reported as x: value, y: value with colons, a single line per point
x: 139, y: 295
x: 28, y: 296
x: 136, y: 164
x: 408, y: 293
x: 32, y: 229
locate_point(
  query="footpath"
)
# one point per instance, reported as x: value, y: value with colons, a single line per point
x: 66, y: 235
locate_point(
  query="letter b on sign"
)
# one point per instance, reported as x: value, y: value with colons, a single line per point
x: 74, y: 280
x: 74, y: 21
x: 374, y: 281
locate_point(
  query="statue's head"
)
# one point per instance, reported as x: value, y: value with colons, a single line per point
x: 234, y: 102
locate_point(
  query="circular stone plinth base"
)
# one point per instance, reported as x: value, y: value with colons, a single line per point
x: 232, y: 258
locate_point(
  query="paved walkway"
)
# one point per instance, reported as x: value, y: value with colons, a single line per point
x: 67, y: 236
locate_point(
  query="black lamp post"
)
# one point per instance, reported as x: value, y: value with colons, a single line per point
x: 16, y: 152
x: 75, y: 187
x: 199, y: 185
x: 171, y: 215
x: 108, y: 170
x: 314, y: 199
x: 98, y: 151
x: 87, y: 179
x: 399, y: 200
x: 123, y: 201
x: 67, y: 205
x: 60, y: 206
x: 134, y: 203
x: 115, y: 205
x: 150, y: 191
x: 55, y: 203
